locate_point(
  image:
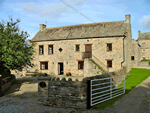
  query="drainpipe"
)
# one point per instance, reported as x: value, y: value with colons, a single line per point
x: 123, y: 52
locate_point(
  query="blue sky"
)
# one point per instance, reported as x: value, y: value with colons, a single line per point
x: 35, y: 12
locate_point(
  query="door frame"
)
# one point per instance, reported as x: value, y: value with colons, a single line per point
x: 59, y: 71
x: 88, y: 54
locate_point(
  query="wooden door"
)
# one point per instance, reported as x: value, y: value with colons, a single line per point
x: 88, y: 51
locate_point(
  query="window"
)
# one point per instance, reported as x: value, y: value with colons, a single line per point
x: 143, y: 43
x: 41, y: 50
x: 80, y: 64
x: 60, y: 49
x: 77, y: 48
x: 143, y: 57
x: 109, y: 63
x: 50, y: 49
x: 132, y: 57
x: 43, y: 65
x: 109, y: 47
x: 143, y: 50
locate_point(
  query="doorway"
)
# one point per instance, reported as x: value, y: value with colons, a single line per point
x: 88, y: 51
x: 60, y: 68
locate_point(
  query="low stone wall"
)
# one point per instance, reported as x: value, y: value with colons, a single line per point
x: 68, y: 94
x: 143, y: 64
x: 117, y: 73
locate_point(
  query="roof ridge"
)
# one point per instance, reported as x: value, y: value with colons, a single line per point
x: 145, y: 32
x: 82, y: 25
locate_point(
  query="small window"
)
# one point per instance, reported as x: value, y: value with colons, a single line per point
x: 77, y: 48
x: 143, y: 50
x: 50, y: 49
x: 80, y: 64
x: 109, y: 63
x: 143, y: 43
x: 43, y: 65
x: 109, y: 47
x: 41, y: 50
x: 60, y: 49
x: 143, y: 57
x: 132, y: 57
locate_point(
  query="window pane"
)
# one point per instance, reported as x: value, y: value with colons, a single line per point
x: 50, y: 49
x: 44, y: 65
x: 109, y: 47
x: 41, y: 50
x: 109, y: 63
x: 80, y: 64
x: 77, y: 47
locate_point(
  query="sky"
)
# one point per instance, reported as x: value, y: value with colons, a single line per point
x: 54, y: 13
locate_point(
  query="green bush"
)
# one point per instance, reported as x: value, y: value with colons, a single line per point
x: 145, y: 60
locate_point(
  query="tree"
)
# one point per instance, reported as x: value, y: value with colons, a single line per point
x: 15, y: 52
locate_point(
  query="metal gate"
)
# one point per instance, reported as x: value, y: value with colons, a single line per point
x: 98, y: 97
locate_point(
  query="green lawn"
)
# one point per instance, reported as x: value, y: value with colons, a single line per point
x: 145, y: 60
x: 136, y: 77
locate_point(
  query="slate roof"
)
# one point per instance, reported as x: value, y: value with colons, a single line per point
x: 144, y: 36
x: 115, y: 28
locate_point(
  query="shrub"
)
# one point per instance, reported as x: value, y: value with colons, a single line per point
x: 68, y: 74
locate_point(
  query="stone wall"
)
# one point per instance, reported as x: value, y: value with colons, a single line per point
x: 117, y: 73
x: 90, y: 68
x: 69, y: 94
x: 143, y: 64
x: 69, y: 57
x: 134, y: 52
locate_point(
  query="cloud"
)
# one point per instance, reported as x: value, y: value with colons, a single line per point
x: 144, y: 22
x: 51, y: 10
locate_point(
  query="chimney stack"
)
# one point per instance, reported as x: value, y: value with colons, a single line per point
x: 42, y: 26
x: 128, y: 18
x: 139, y: 31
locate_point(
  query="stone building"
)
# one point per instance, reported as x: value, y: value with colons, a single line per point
x: 83, y: 50
x: 135, y: 51
x: 144, y: 41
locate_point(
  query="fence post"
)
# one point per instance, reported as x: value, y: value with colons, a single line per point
x: 111, y: 87
x: 124, y: 84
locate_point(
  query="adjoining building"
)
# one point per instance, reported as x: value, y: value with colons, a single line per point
x: 144, y: 41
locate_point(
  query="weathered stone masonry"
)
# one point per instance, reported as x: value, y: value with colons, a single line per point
x: 69, y: 94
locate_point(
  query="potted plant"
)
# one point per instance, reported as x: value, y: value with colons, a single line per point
x: 69, y: 74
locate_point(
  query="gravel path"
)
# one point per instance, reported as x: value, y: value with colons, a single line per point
x: 22, y: 98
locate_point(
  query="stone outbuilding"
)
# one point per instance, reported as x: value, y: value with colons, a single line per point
x: 83, y: 50
x: 144, y: 41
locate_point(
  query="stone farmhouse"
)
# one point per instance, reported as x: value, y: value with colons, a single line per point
x: 144, y: 41
x: 80, y: 48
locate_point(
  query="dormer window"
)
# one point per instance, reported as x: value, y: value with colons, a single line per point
x: 41, y: 50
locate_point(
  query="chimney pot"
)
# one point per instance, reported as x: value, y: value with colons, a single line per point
x: 139, y: 32
x: 128, y: 18
x: 42, y: 26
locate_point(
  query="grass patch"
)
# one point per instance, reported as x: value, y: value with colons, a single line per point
x: 136, y: 77
x: 145, y: 60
